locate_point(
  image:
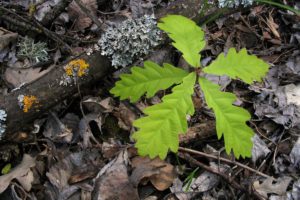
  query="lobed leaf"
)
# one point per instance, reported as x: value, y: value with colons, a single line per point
x: 150, y: 79
x: 158, y: 131
x: 188, y: 37
x: 235, y: 64
x: 230, y: 119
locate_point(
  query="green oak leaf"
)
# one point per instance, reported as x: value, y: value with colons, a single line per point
x: 188, y: 37
x: 158, y: 131
x: 235, y: 64
x: 150, y: 79
x: 230, y: 119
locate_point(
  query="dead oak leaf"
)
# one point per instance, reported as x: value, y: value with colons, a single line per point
x: 6, y: 37
x: 21, y: 172
x: 271, y: 185
x: 160, y: 173
x: 82, y: 21
x: 125, y: 117
x: 112, y: 182
x: 17, y: 77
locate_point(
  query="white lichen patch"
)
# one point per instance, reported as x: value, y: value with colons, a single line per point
x: 20, y: 100
x: 234, y: 3
x: 130, y: 40
x: 92, y: 49
x: 3, y: 116
x: 66, y: 80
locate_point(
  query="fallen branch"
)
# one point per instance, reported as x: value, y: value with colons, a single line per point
x: 48, y: 91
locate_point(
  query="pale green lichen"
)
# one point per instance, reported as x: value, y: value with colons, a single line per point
x: 35, y: 52
x: 234, y: 3
x: 130, y: 40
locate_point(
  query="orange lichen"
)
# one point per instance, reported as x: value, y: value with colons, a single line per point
x: 28, y: 101
x: 77, y: 67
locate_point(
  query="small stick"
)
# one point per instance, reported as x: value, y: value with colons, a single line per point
x: 227, y: 178
x: 224, y: 160
x: 40, y: 27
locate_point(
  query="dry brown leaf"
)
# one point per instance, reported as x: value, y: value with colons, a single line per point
x: 111, y: 148
x: 71, y: 168
x: 57, y: 131
x: 96, y: 104
x: 160, y: 173
x: 18, y: 172
x: 271, y: 185
x: 82, y: 21
x: 112, y: 182
x: 125, y: 117
x: 273, y: 26
x: 6, y: 37
x: 107, y: 104
x: 17, y: 77
x: 26, y: 180
x: 85, y: 130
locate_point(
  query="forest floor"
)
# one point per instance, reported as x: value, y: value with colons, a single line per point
x: 75, y: 143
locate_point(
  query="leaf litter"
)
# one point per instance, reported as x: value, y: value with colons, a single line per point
x: 80, y: 156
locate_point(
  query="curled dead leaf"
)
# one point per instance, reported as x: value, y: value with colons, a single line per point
x: 125, y: 117
x: 21, y: 172
x: 112, y: 182
x: 160, y: 173
x: 82, y: 21
x: 6, y: 37
x: 272, y: 185
x: 17, y: 77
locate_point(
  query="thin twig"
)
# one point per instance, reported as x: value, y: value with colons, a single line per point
x: 40, y: 28
x: 227, y: 178
x: 250, y: 28
x: 224, y: 160
x: 276, y: 148
x: 260, y: 133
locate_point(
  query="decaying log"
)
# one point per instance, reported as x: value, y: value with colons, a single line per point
x: 48, y: 89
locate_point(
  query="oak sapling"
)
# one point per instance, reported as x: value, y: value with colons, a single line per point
x: 158, y: 130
